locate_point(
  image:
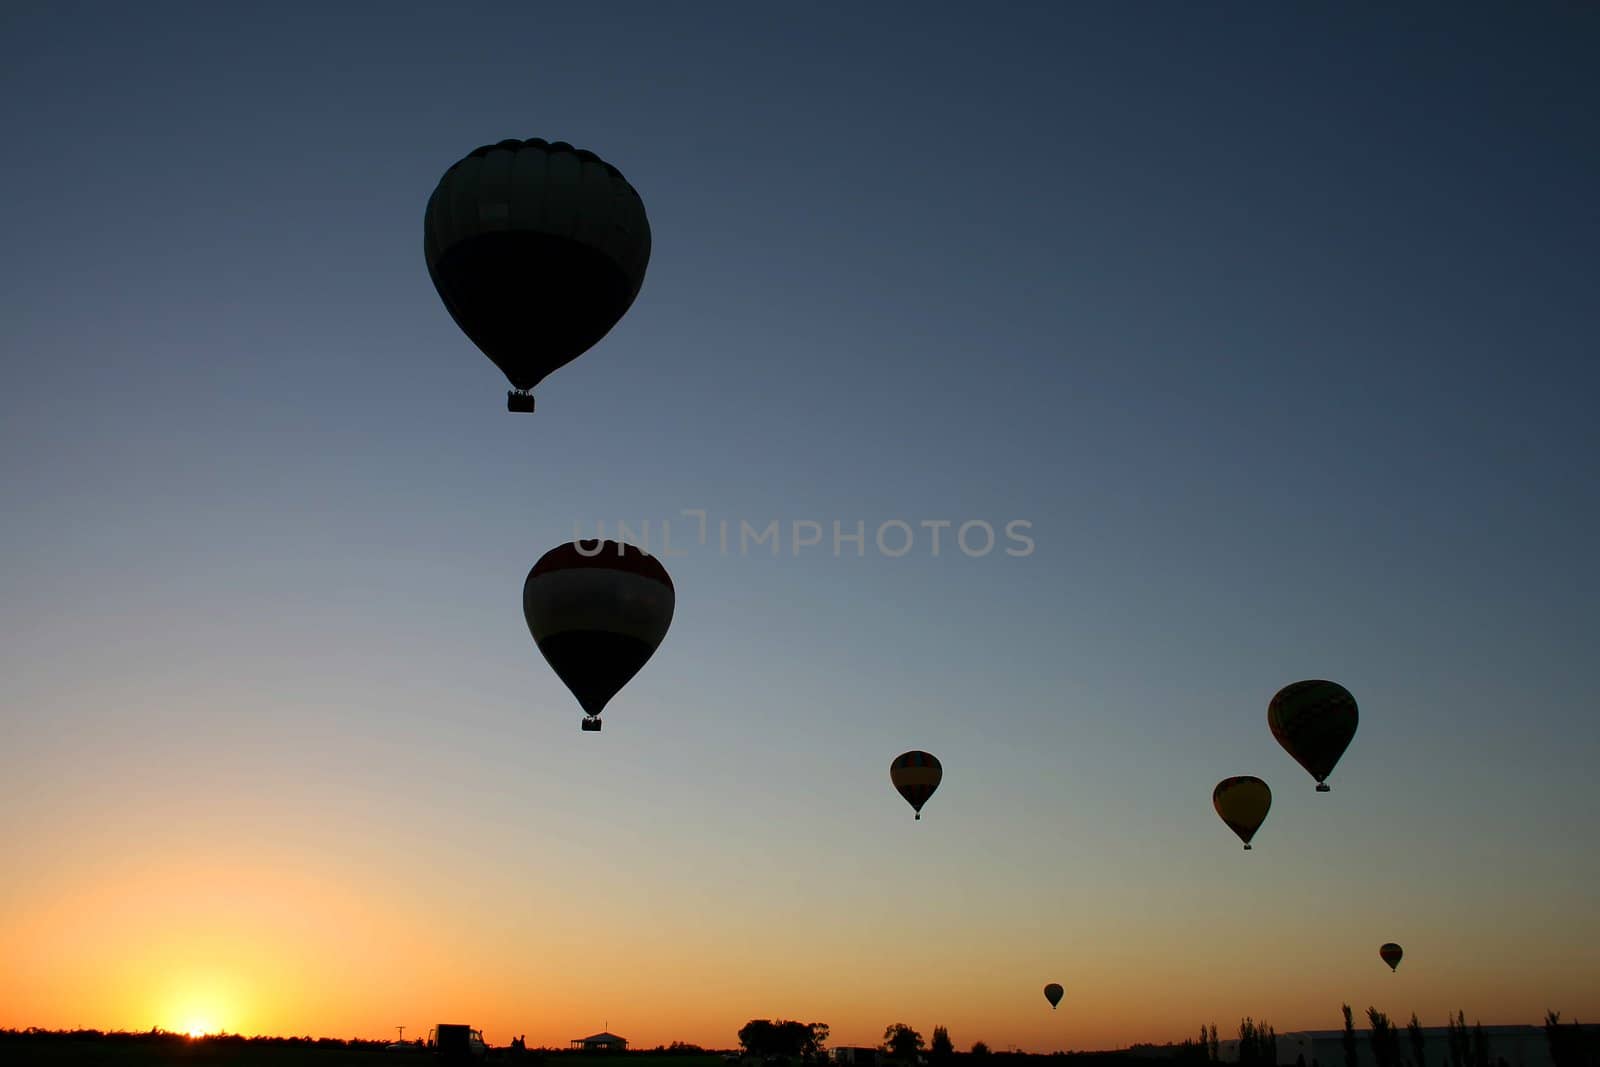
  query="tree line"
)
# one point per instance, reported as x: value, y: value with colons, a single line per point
x: 806, y: 1042
x: 1570, y: 1044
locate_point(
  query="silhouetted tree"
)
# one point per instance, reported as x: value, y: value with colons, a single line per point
x: 764, y: 1037
x: 1414, y: 1032
x: 1554, y: 1038
x: 980, y: 1048
x: 1480, y: 1046
x: 1258, y: 1044
x: 816, y: 1044
x: 1214, y: 1046
x: 1570, y: 1044
x: 1458, y: 1040
x: 940, y: 1048
x: 1384, y: 1038
x: 902, y: 1042
x: 756, y: 1037
x: 1350, y: 1057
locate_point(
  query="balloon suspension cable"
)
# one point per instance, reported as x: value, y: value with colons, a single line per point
x: 1324, y: 787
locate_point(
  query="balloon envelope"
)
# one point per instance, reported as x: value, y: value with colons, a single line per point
x: 1314, y: 721
x: 537, y: 250
x: 1052, y: 993
x: 916, y: 775
x: 597, y: 610
x: 1243, y: 802
x: 1390, y: 953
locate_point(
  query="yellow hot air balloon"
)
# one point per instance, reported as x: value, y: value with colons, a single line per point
x: 1243, y: 802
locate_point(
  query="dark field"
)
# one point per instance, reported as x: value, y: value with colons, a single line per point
x: 18, y: 1049
x: 150, y: 1050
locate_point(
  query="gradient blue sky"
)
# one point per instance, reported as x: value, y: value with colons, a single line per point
x: 1276, y: 322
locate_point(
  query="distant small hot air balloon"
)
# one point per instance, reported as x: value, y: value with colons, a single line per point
x: 1314, y: 722
x: 916, y: 775
x: 1390, y: 953
x: 1052, y: 993
x: 1242, y: 801
x: 537, y: 250
x: 597, y: 610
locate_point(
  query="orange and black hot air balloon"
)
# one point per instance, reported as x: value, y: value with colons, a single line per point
x: 537, y: 249
x: 597, y: 610
x: 1243, y: 802
x: 1314, y: 722
x: 1390, y: 953
x: 916, y: 775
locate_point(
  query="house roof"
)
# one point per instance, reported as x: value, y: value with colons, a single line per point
x: 603, y: 1036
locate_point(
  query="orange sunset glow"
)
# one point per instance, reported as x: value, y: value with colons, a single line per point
x: 533, y: 528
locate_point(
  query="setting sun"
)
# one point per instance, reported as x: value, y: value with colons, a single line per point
x: 198, y: 1027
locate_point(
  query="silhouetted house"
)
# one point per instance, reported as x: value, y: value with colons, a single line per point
x: 601, y: 1042
x: 1518, y: 1046
x: 858, y: 1057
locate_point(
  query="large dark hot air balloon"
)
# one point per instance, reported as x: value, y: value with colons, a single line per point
x: 1390, y: 953
x: 537, y: 250
x: 1243, y: 802
x: 1314, y: 722
x: 1052, y: 993
x: 916, y: 775
x: 597, y: 610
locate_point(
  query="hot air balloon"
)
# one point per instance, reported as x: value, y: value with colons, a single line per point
x: 1390, y: 953
x: 1052, y: 993
x: 597, y: 610
x: 916, y: 775
x: 1243, y: 802
x: 1314, y: 722
x: 537, y: 249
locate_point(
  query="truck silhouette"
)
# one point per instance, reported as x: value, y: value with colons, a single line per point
x: 457, y: 1043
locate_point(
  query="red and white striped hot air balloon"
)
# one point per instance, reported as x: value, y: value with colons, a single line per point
x: 597, y: 610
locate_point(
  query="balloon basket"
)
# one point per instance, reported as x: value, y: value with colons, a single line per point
x: 591, y: 724
x: 1324, y: 787
x: 519, y: 401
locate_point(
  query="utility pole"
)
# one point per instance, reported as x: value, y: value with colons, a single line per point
x: 402, y: 1034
